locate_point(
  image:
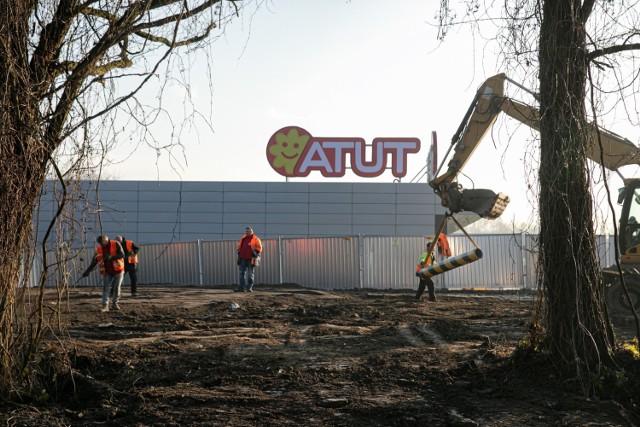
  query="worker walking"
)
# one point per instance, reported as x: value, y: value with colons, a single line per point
x: 249, y: 249
x: 130, y: 262
x: 426, y: 259
x: 110, y: 256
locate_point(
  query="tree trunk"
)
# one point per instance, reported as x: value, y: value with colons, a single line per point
x: 22, y: 165
x: 579, y: 338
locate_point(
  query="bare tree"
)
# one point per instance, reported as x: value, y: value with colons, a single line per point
x: 60, y: 61
x: 577, y: 49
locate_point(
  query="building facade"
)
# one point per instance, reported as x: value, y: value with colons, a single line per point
x: 172, y: 211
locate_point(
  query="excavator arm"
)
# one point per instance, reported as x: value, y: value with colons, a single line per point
x: 603, y: 147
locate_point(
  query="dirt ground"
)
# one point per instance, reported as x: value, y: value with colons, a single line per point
x: 187, y: 356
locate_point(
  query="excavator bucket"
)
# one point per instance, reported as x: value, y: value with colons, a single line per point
x: 483, y: 202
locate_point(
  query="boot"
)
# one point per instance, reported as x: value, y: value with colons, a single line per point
x: 432, y: 292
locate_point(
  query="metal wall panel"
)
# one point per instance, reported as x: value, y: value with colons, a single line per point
x: 158, y: 212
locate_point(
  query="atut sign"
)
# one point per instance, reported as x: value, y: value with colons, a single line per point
x: 293, y: 152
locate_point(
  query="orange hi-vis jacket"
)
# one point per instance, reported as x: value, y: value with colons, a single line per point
x: 255, y: 244
x: 443, y: 245
x: 117, y: 264
x: 132, y: 257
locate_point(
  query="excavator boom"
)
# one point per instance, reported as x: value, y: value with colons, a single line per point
x: 603, y: 147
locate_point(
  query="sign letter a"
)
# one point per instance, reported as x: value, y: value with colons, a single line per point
x: 309, y: 161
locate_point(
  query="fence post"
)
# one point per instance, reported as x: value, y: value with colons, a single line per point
x: 280, y: 252
x: 200, y: 272
x: 523, y: 255
x: 361, y: 259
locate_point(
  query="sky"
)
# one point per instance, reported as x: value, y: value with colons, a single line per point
x: 337, y: 68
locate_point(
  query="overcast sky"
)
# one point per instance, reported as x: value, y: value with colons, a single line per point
x: 337, y: 68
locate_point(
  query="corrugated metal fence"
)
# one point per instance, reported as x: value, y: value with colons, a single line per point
x: 334, y: 263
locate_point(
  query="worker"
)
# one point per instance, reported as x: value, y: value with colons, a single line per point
x: 130, y: 262
x: 426, y: 259
x: 110, y: 256
x: 249, y: 249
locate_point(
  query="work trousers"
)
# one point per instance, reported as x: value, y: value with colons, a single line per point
x: 246, y: 270
x: 426, y: 283
x: 132, y: 271
x: 111, y: 282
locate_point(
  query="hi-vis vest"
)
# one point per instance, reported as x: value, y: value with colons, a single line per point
x: 117, y: 264
x: 424, y: 261
x: 132, y: 258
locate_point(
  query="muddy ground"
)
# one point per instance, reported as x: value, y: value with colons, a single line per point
x: 185, y: 356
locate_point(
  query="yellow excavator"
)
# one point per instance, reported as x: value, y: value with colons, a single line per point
x: 616, y: 152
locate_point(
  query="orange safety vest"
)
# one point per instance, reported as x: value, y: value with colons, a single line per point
x: 255, y: 244
x: 117, y: 264
x: 132, y: 258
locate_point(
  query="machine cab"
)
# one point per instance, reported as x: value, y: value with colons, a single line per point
x: 629, y: 240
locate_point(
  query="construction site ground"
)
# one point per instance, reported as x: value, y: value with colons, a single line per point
x: 290, y: 356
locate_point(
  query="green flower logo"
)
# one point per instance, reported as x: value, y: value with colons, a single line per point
x: 285, y: 147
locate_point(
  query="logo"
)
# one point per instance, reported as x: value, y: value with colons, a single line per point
x: 293, y: 152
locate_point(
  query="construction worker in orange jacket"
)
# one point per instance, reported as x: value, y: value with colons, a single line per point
x: 426, y: 259
x: 110, y: 256
x: 249, y: 249
x: 130, y: 262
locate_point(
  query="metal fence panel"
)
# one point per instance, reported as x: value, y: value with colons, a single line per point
x: 390, y: 261
x: 219, y: 265
x: 269, y: 270
x: 174, y: 263
x: 606, y: 250
x: 530, y: 257
x: 499, y: 268
x: 322, y: 263
x: 75, y: 264
x: 509, y: 262
x: 605, y: 245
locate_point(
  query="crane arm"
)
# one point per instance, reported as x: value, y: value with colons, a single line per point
x: 487, y: 104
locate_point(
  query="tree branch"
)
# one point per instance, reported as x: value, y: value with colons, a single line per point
x: 612, y: 49
x: 185, y: 42
x: 586, y: 9
x: 177, y: 17
x: 45, y: 56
